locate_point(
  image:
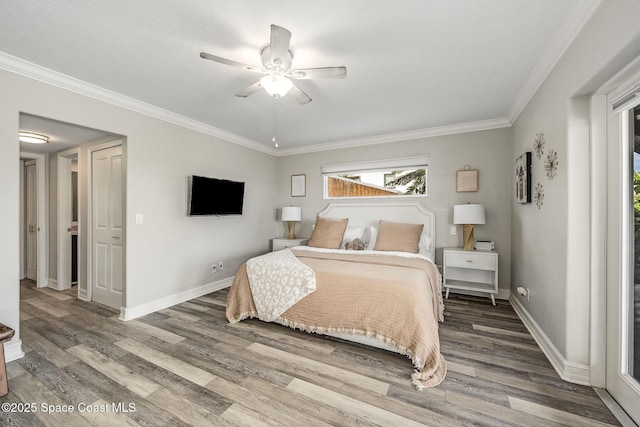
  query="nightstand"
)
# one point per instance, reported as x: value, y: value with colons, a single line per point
x: 470, y: 271
x: 279, y: 244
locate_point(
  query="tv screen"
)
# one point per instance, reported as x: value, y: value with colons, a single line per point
x: 211, y: 196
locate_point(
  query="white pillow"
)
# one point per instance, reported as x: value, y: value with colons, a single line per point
x: 371, y: 238
x: 352, y: 232
x: 424, y: 245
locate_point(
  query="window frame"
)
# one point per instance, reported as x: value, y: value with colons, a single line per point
x: 406, y: 163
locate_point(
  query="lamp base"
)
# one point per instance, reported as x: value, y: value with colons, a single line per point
x: 292, y: 229
x: 467, y: 233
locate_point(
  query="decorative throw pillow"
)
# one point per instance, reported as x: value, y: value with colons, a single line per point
x: 355, y: 245
x: 398, y: 236
x: 328, y: 232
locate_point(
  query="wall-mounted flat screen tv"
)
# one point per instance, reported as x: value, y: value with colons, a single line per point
x: 212, y: 196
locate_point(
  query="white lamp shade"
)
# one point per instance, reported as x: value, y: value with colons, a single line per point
x: 468, y: 214
x: 291, y: 213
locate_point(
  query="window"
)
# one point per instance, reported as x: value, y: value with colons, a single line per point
x: 384, y: 178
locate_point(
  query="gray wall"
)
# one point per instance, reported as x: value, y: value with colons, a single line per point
x: 550, y: 246
x: 488, y: 151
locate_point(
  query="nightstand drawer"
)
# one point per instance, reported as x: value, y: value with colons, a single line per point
x: 280, y: 244
x: 471, y: 260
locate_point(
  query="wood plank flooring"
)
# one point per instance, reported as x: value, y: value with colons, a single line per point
x: 188, y: 366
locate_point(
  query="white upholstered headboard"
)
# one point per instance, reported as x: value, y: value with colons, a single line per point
x: 366, y: 214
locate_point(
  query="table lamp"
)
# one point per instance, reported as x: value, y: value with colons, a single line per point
x: 291, y: 214
x: 468, y: 215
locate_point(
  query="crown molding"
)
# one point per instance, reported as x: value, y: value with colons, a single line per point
x: 45, y: 75
x: 33, y: 71
x: 552, y: 55
x: 398, y: 136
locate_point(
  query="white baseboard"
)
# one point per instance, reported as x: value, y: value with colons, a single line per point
x: 13, y: 350
x: 82, y: 295
x: 130, y: 313
x: 573, y: 372
x: 504, y: 294
x: 53, y: 284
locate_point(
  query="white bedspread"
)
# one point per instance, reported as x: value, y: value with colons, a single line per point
x: 278, y: 280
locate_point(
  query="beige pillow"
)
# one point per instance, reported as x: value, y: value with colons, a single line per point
x: 398, y: 236
x: 328, y: 232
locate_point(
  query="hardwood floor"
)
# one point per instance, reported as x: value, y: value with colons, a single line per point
x: 188, y: 366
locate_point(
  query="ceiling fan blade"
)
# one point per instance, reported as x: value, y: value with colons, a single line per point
x: 249, y: 90
x: 279, y: 46
x: 299, y: 95
x: 226, y: 61
x: 320, y: 73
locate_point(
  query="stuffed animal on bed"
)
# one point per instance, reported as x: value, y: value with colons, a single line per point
x: 355, y: 245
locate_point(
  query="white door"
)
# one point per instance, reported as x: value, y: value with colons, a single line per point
x: 623, y: 261
x: 107, y: 272
x: 31, y: 198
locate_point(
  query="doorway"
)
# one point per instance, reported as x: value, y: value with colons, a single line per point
x: 69, y: 230
x: 66, y: 156
x: 622, y: 330
x: 34, y: 232
x: 31, y: 219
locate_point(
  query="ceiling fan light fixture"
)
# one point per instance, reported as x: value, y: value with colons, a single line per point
x: 276, y: 85
x: 32, y: 138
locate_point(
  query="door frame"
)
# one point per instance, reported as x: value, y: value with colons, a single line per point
x: 64, y: 213
x: 606, y: 189
x: 89, y: 161
x: 42, y: 256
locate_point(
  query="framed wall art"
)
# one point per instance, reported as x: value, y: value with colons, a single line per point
x: 523, y: 178
x: 298, y: 185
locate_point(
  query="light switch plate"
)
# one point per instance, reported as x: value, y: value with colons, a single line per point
x: 454, y: 230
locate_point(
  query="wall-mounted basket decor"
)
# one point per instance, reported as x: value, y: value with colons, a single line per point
x: 538, y: 145
x: 467, y: 179
x: 538, y: 195
x: 551, y: 164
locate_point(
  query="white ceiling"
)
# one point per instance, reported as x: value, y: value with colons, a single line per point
x: 414, y: 66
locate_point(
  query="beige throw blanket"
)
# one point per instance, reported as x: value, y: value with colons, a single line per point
x: 278, y: 281
x: 397, y: 300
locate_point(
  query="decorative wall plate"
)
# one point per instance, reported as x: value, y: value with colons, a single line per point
x: 538, y: 145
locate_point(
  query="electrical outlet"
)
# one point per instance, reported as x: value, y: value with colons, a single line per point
x: 454, y: 230
x: 221, y: 265
x: 213, y: 269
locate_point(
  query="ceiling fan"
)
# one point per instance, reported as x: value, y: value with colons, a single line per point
x: 276, y: 61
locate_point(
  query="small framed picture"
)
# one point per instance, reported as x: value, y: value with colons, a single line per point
x: 523, y: 178
x: 467, y: 180
x: 298, y: 185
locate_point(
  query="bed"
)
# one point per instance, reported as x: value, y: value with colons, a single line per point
x: 388, y: 298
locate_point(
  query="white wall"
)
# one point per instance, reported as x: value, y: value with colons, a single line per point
x: 488, y: 151
x: 551, y: 245
x: 170, y: 252
x: 9, y: 220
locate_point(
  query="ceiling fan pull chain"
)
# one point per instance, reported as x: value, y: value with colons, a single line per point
x: 275, y: 122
